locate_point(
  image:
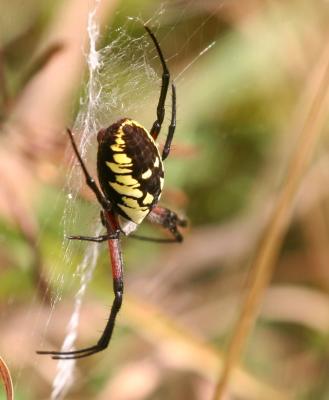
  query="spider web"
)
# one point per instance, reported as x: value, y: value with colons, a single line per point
x: 122, y: 75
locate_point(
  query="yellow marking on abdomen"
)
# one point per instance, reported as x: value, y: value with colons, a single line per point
x: 117, y: 169
x: 126, y: 190
x: 148, y: 199
x: 127, y: 180
x: 116, y: 147
x: 131, y: 202
x: 161, y: 183
x: 136, y: 216
x: 156, y: 162
x: 131, y: 122
x: 122, y: 159
x: 146, y: 174
x: 119, y: 140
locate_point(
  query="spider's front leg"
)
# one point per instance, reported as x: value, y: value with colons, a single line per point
x: 155, y: 130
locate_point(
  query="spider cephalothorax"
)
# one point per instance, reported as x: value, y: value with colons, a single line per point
x: 130, y: 173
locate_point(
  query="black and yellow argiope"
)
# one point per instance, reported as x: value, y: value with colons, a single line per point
x: 130, y: 173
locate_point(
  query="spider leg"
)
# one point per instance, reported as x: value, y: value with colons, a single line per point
x: 172, y: 126
x: 117, y: 273
x: 106, y: 335
x: 97, y: 239
x: 152, y: 239
x: 155, y: 130
x: 90, y: 181
x: 169, y: 220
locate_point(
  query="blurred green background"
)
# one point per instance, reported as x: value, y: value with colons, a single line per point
x: 244, y: 71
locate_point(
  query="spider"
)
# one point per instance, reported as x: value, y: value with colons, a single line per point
x: 131, y: 176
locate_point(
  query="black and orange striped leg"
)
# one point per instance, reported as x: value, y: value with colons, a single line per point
x: 117, y: 273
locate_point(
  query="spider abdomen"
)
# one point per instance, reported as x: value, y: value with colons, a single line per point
x: 130, y: 169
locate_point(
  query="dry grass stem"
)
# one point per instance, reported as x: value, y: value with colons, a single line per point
x: 264, y: 261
